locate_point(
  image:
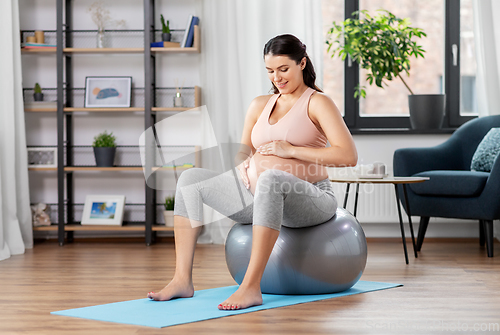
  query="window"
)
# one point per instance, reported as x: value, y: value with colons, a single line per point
x: 468, y: 103
x: 425, y: 74
x: 450, y: 39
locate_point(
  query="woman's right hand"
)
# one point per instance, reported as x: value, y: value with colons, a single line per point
x: 243, y: 167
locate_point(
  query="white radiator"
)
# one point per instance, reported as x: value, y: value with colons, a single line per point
x: 378, y: 214
x: 376, y: 202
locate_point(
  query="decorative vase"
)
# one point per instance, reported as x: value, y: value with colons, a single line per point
x: 38, y: 96
x: 104, y: 156
x: 166, y: 37
x: 101, y: 39
x: 169, y: 218
x: 426, y: 110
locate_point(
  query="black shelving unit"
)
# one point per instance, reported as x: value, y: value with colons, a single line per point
x: 68, y: 102
x: 149, y: 118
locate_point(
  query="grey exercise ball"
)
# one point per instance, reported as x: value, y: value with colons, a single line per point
x: 326, y: 258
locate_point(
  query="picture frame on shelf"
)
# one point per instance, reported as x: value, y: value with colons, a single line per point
x: 103, y: 210
x: 108, y: 92
x: 42, y: 157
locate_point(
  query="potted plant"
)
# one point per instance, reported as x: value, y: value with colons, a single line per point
x: 37, y: 95
x: 383, y: 46
x: 168, y: 213
x: 104, y: 149
x: 165, y: 36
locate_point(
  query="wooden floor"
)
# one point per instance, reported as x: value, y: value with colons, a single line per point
x: 452, y: 286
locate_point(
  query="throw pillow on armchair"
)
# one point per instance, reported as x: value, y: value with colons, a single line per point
x: 486, y: 151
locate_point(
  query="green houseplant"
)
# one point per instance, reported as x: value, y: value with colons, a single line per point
x: 104, y: 149
x: 165, y: 36
x: 383, y: 45
x: 168, y: 213
x: 37, y: 95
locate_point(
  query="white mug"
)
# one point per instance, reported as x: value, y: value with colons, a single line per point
x: 379, y: 168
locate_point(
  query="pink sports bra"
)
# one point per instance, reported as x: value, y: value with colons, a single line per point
x: 295, y: 127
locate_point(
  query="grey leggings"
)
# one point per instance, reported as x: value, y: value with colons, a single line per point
x: 280, y: 198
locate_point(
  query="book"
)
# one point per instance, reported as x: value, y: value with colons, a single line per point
x: 171, y: 44
x: 190, y: 37
x: 31, y: 47
x: 40, y: 104
x: 186, y: 165
x: 157, y: 45
x: 39, y: 45
x: 186, y: 32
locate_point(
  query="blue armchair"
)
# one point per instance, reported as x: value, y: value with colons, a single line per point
x: 453, y: 191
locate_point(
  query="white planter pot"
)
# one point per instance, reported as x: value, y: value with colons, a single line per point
x: 169, y: 218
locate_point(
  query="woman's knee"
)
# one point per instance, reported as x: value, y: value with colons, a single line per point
x: 191, y: 176
x: 187, y: 183
x: 273, y: 179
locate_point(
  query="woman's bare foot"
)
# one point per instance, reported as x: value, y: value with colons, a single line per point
x: 244, y: 297
x: 175, y: 289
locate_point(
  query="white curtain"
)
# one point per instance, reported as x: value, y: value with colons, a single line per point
x: 16, y: 232
x: 487, y: 39
x: 234, y: 33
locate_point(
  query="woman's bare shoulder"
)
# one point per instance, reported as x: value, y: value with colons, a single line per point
x: 258, y: 104
x: 320, y: 102
x: 320, y: 98
x: 261, y: 100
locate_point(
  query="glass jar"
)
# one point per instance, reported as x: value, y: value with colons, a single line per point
x: 101, y: 39
x: 178, y: 100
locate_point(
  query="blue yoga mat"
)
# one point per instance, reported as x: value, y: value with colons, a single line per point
x: 203, y: 306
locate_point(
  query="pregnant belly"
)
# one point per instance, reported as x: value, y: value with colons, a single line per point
x: 310, y: 172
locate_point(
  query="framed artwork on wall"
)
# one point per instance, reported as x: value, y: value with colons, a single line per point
x: 42, y: 157
x: 103, y: 210
x: 108, y: 92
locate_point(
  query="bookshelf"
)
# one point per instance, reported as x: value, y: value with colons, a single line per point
x: 68, y: 106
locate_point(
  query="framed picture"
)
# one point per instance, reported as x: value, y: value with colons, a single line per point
x: 103, y: 210
x: 42, y: 157
x: 108, y: 92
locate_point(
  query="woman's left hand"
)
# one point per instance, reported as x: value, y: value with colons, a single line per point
x: 281, y: 149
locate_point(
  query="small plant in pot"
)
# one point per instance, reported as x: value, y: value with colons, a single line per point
x: 104, y: 149
x: 383, y: 45
x: 37, y: 95
x: 165, y: 30
x: 168, y: 213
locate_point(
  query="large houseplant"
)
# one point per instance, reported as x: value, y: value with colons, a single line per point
x: 104, y: 149
x: 383, y: 45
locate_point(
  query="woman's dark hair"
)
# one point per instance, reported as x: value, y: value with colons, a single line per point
x: 290, y: 46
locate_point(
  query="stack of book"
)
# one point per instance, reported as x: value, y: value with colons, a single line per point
x: 38, y: 46
x: 165, y: 44
x: 186, y: 165
x: 187, y: 41
x: 40, y: 104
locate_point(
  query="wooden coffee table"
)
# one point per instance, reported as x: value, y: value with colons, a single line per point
x: 389, y: 180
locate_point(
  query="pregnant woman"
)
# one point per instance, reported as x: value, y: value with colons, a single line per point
x: 282, y: 179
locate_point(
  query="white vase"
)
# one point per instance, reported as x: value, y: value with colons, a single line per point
x: 169, y: 218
